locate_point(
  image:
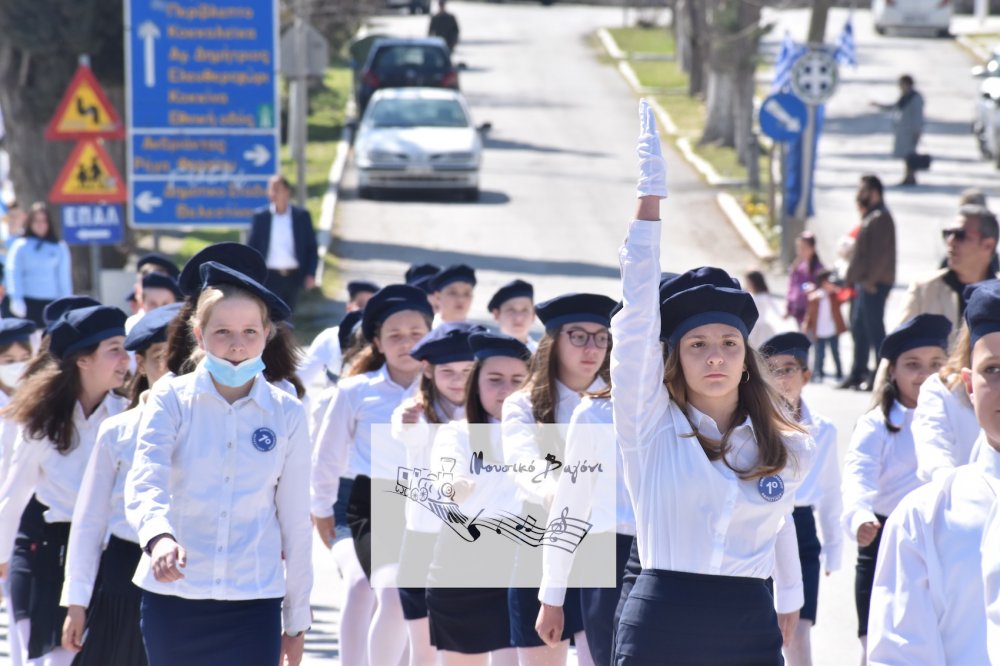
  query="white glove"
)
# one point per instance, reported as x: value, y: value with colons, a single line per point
x: 652, y: 168
x: 18, y: 307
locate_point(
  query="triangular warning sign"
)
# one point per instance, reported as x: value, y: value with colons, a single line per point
x: 84, y: 111
x: 89, y: 176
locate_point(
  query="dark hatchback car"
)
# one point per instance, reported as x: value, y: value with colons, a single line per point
x: 405, y: 63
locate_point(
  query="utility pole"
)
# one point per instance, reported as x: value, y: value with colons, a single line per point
x: 299, y: 103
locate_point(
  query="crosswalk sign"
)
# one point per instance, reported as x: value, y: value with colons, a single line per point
x: 84, y: 111
x: 89, y: 176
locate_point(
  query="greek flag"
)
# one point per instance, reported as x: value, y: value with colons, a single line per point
x: 846, y: 54
x: 787, y: 55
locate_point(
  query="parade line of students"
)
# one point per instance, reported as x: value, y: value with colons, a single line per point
x: 164, y: 475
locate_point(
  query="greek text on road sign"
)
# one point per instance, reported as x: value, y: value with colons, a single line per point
x: 815, y: 76
x: 783, y: 117
x: 203, y: 110
x: 89, y: 176
x: 84, y: 111
x: 93, y: 223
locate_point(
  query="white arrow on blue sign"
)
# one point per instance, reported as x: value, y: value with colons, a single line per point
x: 783, y: 117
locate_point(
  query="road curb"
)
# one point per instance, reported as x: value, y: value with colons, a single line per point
x: 745, y: 227
x: 971, y: 46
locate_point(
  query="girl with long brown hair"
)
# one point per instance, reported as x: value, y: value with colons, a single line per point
x: 711, y: 463
x: 86, y: 363
x: 572, y: 360
x: 344, y: 467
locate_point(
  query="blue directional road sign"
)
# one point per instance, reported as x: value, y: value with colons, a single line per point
x: 203, y: 108
x: 783, y: 117
x: 102, y: 224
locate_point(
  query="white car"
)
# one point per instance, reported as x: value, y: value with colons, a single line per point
x: 418, y: 138
x: 986, y: 125
x: 933, y: 15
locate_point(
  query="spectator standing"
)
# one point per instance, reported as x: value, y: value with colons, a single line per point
x: 907, y: 124
x: 445, y: 26
x: 872, y: 271
x: 804, y: 270
x: 285, y: 237
x: 824, y: 323
x: 771, y: 321
x: 38, y: 269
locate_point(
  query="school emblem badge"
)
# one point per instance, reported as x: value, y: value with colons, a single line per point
x: 771, y: 488
x: 263, y: 439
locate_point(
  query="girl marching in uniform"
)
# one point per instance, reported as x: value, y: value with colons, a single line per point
x: 572, y: 359
x: 470, y: 625
x: 218, y: 494
x: 451, y: 292
x: 446, y: 360
x: 86, y: 363
x: 513, y: 308
x: 109, y: 612
x: 788, y: 356
x: 394, y: 320
x: 880, y: 467
x: 323, y: 361
x: 711, y: 463
x: 927, y: 599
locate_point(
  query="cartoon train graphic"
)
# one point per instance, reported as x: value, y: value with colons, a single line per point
x: 420, y: 484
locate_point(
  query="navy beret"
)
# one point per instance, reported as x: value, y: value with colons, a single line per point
x: 161, y: 281
x: 130, y: 296
x: 214, y: 274
x: 451, y: 274
x: 355, y: 287
x: 446, y: 344
x: 157, y: 259
x: 982, y: 312
x: 236, y: 256
x: 84, y: 327
x: 570, y: 308
x: 664, y: 279
x: 703, y: 296
x: 389, y: 300
x: 418, y: 272
x: 54, y: 310
x: 791, y: 344
x: 513, y: 289
x: 152, y: 328
x: 487, y: 345
x: 924, y: 330
x: 349, y: 324
x: 15, y: 330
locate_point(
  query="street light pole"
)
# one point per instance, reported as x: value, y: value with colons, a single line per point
x: 299, y: 104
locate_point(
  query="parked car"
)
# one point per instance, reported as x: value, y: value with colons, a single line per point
x: 932, y: 15
x: 986, y: 124
x: 418, y: 138
x: 415, y: 6
x: 400, y: 63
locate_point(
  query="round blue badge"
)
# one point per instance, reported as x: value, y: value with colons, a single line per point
x: 263, y: 439
x: 771, y: 488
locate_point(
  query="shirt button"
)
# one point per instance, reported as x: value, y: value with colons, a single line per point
x: 230, y: 445
x: 218, y: 581
x: 219, y: 549
x: 224, y: 514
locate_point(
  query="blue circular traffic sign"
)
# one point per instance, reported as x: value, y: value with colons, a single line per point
x: 783, y: 117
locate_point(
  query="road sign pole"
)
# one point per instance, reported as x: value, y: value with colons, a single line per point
x: 796, y: 224
x: 95, y: 270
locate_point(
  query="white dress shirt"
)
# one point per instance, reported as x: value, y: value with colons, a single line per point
x: 945, y: 428
x: 100, y: 506
x: 880, y: 467
x: 521, y: 432
x: 927, y: 601
x: 281, y: 247
x: 692, y: 514
x: 8, y: 437
x: 231, y: 484
x: 344, y: 436
x: 990, y: 551
x: 323, y: 355
x: 53, y: 477
x: 585, y: 441
x: 821, y: 487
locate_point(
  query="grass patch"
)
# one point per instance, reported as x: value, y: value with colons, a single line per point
x: 644, y: 40
x: 660, y: 74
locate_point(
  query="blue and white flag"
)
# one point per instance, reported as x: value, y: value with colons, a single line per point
x: 846, y: 53
x: 787, y: 55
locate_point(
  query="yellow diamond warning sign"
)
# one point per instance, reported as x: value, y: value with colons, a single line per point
x: 84, y: 111
x: 89, y: 176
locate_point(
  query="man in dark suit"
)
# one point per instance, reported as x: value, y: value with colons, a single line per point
x: 284, y: 235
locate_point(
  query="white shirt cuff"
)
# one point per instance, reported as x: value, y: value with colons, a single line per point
x: 296, y: 619
x: 832, y: 554
x: 644, y: 232
x: 154, y: 528
x: 789, y: 599
x: 859, y: 518
x: 552, y: 595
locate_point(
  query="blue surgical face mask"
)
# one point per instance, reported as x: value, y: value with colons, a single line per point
x: 231, y: 375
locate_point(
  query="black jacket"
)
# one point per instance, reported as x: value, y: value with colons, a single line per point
x: 306, y: 252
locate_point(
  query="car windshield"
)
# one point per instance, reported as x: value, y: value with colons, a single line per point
x: 418, y: 113
x: 391, y: 58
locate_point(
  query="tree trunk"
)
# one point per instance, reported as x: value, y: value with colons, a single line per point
x: 698, y: 47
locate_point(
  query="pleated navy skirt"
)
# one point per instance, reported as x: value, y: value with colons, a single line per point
x: 809, y: 550
x: 674, y: 617
x: 37, y: 568
x: 113, y: 634
x: 207, y: 632
x: 600, y: 603
x: 469, y: 620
